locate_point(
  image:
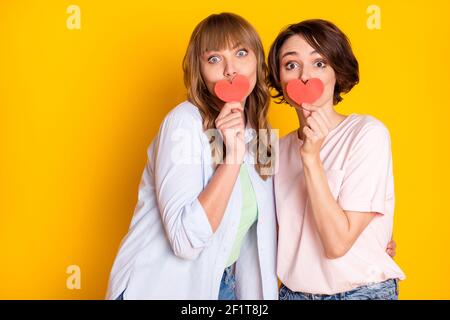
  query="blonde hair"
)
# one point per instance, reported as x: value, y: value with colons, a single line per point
x: 218, y: 32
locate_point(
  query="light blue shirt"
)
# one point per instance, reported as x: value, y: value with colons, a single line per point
x: 170, y: 251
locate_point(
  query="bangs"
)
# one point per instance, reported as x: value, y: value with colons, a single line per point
x: 221, y: 32
x: 314, y: 39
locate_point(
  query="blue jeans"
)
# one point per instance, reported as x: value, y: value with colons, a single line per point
x: 386, y: 290
x: 120, y: 297
x: 227, y: 285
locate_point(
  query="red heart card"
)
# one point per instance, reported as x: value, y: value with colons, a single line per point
x: 301, y: 92
x: 232, y: 91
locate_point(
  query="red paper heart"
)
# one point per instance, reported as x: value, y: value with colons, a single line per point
x: 232, y: 91
x: 307, y: 92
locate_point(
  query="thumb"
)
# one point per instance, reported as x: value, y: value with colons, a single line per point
x: 307, y: 109
x: 306, y: 113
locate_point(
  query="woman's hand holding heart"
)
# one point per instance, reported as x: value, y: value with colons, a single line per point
x: 313, y: 133
x: 317, y: 125
x: 231, y: 123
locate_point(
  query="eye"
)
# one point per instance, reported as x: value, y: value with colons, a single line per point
x: 242, y: 53
x: 291, y: 65
x: 320, y: 64
x: 213, y: 59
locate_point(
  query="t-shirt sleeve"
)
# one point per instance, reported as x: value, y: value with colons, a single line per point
x: 367, y: 171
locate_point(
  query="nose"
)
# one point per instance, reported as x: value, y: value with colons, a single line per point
x: 305, y: 75
x: 230, y: 69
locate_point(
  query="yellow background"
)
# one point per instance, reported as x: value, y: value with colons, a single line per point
x: 78, y: 109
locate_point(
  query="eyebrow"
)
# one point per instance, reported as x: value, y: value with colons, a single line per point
x: 289, y: 53
x: 294, y: 53
x: 238, y: 44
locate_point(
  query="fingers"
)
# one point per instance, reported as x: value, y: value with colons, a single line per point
x: 228, y: 108
x: 231, y: 123
x: 231, y: 116
x: 391, y: 253
x: 309, y: 134
x: 232, y: 105
x: 325, y: 118
x: 390, y: 250
x: 321, y: 123
x: 316, y: 119
x: 309, y: 107
x: 306, y: 113
x: 316, y: 124
x: 392, y: 244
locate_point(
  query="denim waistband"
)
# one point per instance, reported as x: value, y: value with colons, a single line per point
x: 393, y: 282
x: 230, y: 270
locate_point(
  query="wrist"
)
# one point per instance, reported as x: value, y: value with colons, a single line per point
x: 311, y: 160
x: 234, y: 159
x: 231, y: 168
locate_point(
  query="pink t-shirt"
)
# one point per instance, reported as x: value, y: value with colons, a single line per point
x: 357, y: 160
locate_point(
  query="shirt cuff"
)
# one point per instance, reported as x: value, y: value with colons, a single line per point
x: 362, y: 206
x: 197, y: 226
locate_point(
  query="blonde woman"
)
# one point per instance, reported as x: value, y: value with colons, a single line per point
x: 205, y: 228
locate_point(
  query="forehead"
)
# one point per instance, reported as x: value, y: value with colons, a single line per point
x: 296, y: 45
x: 218, y: 41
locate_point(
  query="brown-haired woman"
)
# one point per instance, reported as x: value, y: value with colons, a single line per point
x: 334, y: 189
x: 205, y: 224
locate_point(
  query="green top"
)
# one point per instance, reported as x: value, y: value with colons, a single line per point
x: 249, y: 213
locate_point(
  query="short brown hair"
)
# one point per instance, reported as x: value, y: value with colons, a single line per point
x: 328, y: 40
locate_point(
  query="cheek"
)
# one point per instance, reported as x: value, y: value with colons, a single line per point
x: 284, y: 79
x: 329, y: 81
x: 209, y: 76
x: 287, y: 75
x: 250, y: 70
x: 253, y: 79
x: 329, y: 86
